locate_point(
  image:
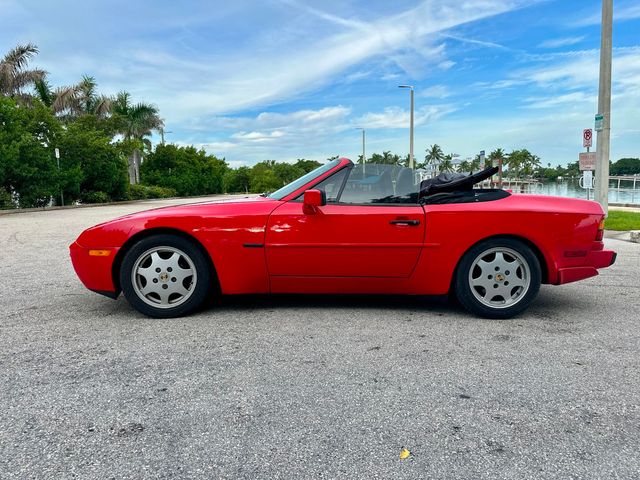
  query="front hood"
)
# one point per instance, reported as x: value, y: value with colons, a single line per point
x: 211, y: 207
x: 175, y: 216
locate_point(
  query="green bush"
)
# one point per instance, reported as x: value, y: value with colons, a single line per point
x: 137, y: 192
x: 27, y: 163
x: 6, y: 202
x: 153, y: 191
x: 142, y: 192
x: 95, y: 197
x: 186, y: 170
x: 91, y: 163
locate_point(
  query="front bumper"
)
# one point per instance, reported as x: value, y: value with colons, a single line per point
x: 594, y: 260
x: 95, y: 271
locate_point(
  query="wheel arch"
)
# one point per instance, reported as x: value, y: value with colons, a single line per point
x: 131, y: 241
x: 544, y: 267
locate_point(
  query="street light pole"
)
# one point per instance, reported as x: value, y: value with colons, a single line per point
x: 411, y: 162
x: 604, y: 107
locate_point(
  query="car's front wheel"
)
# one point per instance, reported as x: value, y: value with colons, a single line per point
x: 165, y: 276
x: 498, y: 278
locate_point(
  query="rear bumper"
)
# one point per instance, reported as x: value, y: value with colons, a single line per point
x: 94, y: 271
x: 593, y: 261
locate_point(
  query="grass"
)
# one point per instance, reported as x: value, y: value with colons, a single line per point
x: 618, y: 220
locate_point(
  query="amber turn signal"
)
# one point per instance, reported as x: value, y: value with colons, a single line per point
x: 600, y: 232
x: 99, y: 253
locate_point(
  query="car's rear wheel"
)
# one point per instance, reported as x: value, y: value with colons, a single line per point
x: 498, y: 278
x: 165, y: 276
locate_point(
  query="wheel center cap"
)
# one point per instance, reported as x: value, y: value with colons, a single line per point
x: 164, y: 277
x: 499, y: 277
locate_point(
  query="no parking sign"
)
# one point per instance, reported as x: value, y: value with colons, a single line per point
x: 587, y: 137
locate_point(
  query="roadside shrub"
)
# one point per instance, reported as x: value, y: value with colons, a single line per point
x: 153, y: 191
x: 6, y: 202
x: 186, y: 170
x: 95, y: 197
x: 142, y: 192
x: 137, y: 192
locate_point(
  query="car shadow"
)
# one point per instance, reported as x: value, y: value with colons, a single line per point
x: 298, y: 301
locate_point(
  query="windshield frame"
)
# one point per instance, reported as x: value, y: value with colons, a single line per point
x: 312, y: 177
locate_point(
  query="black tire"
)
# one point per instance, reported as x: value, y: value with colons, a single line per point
x: 494, y: 286
x: 172, y: 283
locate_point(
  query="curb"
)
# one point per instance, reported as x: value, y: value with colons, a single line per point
x: 631, y: 236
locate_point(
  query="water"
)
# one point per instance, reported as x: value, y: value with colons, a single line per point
x: 570, y: 188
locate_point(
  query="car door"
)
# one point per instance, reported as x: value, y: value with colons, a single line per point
x: 364, y: 230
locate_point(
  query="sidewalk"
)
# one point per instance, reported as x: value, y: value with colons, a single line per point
x: 625, y: 208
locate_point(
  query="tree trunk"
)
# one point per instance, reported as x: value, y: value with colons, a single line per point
x: 134, y: 167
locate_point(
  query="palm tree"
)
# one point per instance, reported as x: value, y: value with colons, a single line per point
x: 496, y: 155
x: 465, y: 166
x: 135, y: 123
x: 446, y: 165
x: 475, y: 163
x: 497, y: 158
x: 522, y: 162
x: 14, y: 75
x: 87, y: 100
x: 74, y: 101
x: 434, y: 156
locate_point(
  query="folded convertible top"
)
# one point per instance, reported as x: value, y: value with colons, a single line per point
x: 454, y: 182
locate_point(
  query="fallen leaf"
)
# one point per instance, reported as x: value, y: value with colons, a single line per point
x: 404, y: 453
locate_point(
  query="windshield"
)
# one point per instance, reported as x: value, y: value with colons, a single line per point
x: 296, y: 184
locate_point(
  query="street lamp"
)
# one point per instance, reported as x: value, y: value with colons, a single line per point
x: 410, y: 87
x: 364, y: 157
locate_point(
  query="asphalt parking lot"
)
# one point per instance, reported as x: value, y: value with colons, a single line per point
x: 309, y: 387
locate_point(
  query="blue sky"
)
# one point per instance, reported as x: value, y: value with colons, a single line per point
x: 286, y: 79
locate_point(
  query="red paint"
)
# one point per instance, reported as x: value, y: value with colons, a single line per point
x: 407, y: 249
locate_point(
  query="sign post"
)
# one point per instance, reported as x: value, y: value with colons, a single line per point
x: 587, y: 162
x: 57, y: 152
x: 587, y: 138
x: 481, y: 159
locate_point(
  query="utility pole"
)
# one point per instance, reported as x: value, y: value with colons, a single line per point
x: 604, y: 107
x: 411, y: 162
x: 162, y: 132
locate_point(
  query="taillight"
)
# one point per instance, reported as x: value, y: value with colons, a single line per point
x: 600, y: 232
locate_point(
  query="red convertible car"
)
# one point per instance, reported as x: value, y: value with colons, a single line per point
x: 349, y: 229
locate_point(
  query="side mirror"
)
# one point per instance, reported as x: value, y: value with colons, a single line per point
x: 312, y: 200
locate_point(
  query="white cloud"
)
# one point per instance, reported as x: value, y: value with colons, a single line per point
x: 435, y: 91
x: 390, y: 76
x: 620, y: 13
x: 258, y: 136
x: 244, y: 83
x: 564, y: 103
x: 278, y: 135
x: 220, y: 146
x: 394, y: 117
x: 446, y: 65
x: 343, y: 22
x: 561, y: 42
x: 561, y: 100
x: 472, y: 41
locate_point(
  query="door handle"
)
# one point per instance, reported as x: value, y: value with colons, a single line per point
x: 409, y: 223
